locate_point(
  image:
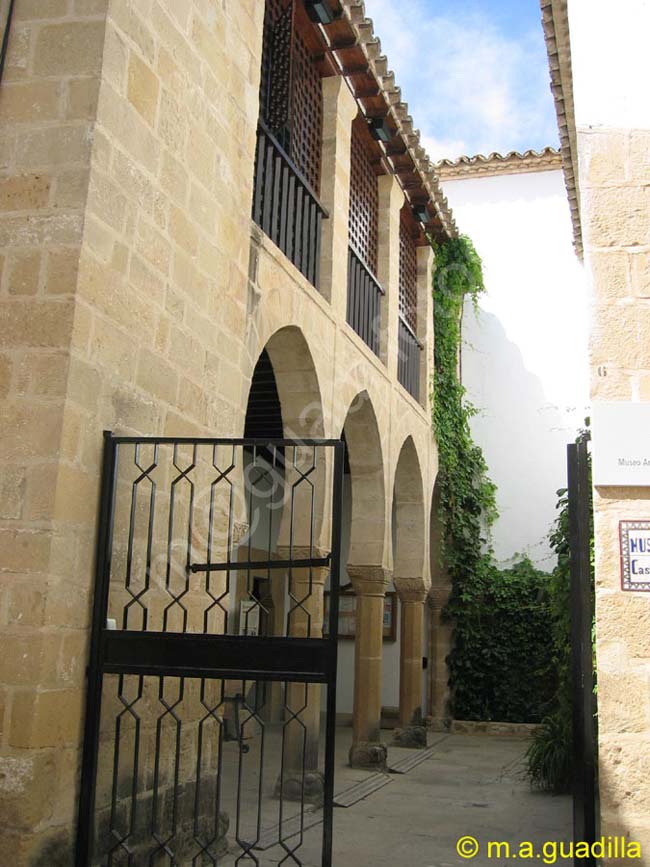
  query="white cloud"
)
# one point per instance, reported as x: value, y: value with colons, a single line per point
x: 471, y: 87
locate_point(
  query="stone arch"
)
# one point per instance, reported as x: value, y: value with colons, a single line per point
x: 368, y: 520
x: 297, y: 383
x: 290, y: 365
x: 408, y: 515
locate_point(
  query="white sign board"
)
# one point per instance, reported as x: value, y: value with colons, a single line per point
x: 635, y: 555
x: 249, y: 617
x: 621, y: 443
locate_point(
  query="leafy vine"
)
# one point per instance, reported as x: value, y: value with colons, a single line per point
x: 500, y: 665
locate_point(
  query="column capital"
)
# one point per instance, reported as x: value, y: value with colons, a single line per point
x: 438, y: 597
x: 369, y: 580
x: 240, y: 531
x: 410, y: 589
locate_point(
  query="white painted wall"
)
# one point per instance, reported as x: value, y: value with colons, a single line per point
x: 612, y: 93
x: 525, y: 356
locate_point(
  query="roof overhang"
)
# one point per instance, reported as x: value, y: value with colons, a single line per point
x: 513, y: 163
x: 354, y: 51
x: 555, y: 20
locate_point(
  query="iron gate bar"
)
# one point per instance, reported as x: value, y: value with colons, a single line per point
x: 204, y: 656
x: 584, y: 790
x: 234, y: 565
x: 235, y: 657
x: 94, y: 674
x: 332, y: 638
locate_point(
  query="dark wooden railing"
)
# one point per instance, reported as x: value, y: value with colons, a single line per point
x: 285, y: 207
x: 364, y: 300
x: 408, y: 358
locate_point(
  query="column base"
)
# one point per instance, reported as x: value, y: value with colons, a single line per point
x: 438, y: 724
x: 291, y: 787
x: 410, y: 737
x: 369, y: 756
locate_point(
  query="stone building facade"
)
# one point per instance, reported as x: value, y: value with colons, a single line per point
x: 138, y: 296
x: 605, y: 134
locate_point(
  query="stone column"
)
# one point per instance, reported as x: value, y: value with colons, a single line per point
x: 339, y: 110
x: 440, y: 645
x: 370, y: 584
x: 305, y: 608
x: 391, y: 199
x: 412, y: 594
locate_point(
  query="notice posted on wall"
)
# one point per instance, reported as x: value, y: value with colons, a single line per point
x: 635, y: 555
x: 620, y: 443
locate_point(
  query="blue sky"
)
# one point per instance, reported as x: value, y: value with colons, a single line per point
x: 474, y: 72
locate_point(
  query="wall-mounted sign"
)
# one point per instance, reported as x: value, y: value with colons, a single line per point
x: 635, y: 555
x: 621, y: 443
x: 249, y: 617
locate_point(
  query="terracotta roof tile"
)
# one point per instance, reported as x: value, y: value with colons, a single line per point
x: 495, y: 163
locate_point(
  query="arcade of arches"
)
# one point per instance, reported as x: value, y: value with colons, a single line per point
x: 390, y: 554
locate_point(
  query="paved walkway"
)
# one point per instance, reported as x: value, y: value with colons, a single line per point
x: 470, y: 785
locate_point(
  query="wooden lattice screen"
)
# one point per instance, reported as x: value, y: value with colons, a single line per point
x: 364, y: 197
x: 276, y: 67
x: 291, y: 103
x: 408, y: 267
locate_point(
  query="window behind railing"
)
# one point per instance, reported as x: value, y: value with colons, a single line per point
x: 364, y: 290
x: 409, y: 348
x: 287, y: 164
x: 364, y: 197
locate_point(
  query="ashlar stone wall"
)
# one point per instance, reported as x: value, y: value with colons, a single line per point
x: 127, y: 145
x: 615, y: 186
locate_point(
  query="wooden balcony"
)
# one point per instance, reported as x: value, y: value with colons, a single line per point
x: 408, y: 358
x: 364, y: 300
x: 285, y: 207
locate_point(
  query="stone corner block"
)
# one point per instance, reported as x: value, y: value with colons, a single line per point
x: 308, y: 788
x: 410, y: 737
x: 369, y: 756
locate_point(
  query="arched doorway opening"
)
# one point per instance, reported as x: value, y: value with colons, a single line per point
x: 288, y: 515
x: 366, y: 576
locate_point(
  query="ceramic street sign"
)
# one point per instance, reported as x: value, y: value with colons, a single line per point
x: 621, y: 443
x: 635, y: 555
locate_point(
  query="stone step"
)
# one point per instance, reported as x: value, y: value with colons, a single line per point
x: 359, y: 791
x: 414, y: 758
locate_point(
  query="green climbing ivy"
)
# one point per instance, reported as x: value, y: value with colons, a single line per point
x: 550, y: 763
x: 500, y: 665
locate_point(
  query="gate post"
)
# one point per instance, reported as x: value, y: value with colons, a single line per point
x: 584, y: 790
x: 370, y: 584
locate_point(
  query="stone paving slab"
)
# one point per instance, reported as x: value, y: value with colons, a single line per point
x: 465, y: 785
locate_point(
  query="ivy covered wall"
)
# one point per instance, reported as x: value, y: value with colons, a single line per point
x: 501, y: 665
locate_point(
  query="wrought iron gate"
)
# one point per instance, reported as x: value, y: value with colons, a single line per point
x: 584, y: 731
x: 207, y: 658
